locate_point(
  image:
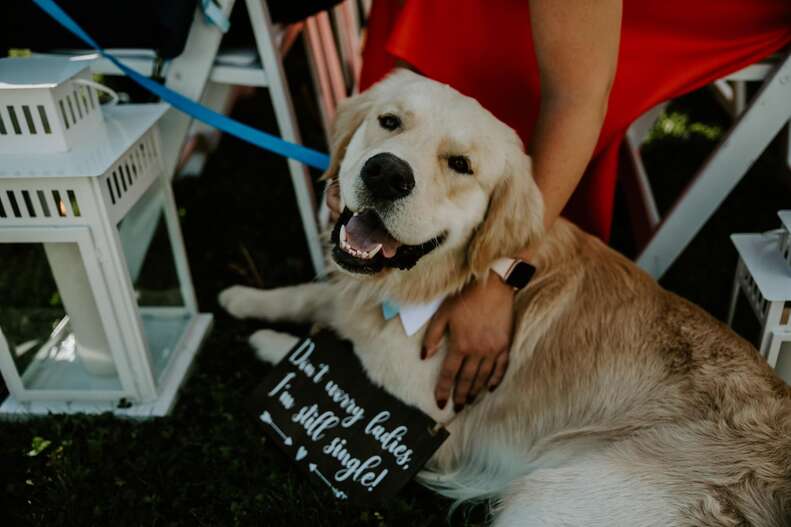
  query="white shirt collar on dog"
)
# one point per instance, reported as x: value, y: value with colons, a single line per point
x: 413, y: 316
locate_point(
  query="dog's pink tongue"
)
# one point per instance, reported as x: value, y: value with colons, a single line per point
x: 365, y: 232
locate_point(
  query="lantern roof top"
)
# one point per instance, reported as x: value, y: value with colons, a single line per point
x: 761, y: 254
x: 37, y: 72
x: 123, y: 125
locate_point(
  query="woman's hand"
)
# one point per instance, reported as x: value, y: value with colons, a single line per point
x: 480, y: 321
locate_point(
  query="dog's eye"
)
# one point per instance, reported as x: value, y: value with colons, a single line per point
x: 389, y: 121
x: 459, y: 164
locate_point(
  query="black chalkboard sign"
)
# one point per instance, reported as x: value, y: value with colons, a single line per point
x: 347, y: 434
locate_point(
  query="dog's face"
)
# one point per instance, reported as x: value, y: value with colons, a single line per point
x: 425, y: 171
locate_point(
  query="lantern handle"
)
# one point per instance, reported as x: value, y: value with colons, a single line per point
x: 100, y: 87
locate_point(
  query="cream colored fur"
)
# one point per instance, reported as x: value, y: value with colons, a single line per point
x: 624, y: 405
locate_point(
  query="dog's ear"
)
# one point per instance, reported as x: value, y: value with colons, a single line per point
x: 513, y: 219
x: 349, y: 116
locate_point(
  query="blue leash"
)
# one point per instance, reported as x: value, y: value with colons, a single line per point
x: 256, y: 137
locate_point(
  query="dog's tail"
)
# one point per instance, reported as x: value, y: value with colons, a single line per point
x: 487, y: 471
x: 481, y: 476
x: 467, y: 484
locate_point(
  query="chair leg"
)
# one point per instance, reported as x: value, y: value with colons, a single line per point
x: 735, y: 293
x: 349, y: 36
x: 188, y: 74
x: 768, y: 112
x: 286, y: 121
x: 788, y: 145
x: 334, y: 69
x: 640, y: 201
x: 739, y: 97
x: 771, y: 323
x: 203, y: 139
x: 318, y: 70
x: 776, y: 342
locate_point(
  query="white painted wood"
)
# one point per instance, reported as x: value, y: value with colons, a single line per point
x: 785, y: 219
x: 92, y: 264
x: 755, y: 72
x: 318, y: 70
x: 332, y: 61
x: 201, y: 61
x: 346, y: 20
x: 177, y: 247
x: 46, y: 106
x: 188, y: 74
x: 761, y: 256
x: 123, y: 127
x: 287, y: 123
x: 72, y: 202
x: 643, y: 211
x: 92, y: 348
x: 178, y: 371
x: 240, y: 75
x: 763, y: 274
x: 735, y: 292
x: 224, y: 73
x: 766, y: 114
x: 779, y: 356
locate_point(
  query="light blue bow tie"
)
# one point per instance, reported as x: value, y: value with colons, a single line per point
x: 390, y: 309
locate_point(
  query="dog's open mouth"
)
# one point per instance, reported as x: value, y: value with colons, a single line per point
x: 362, y: 244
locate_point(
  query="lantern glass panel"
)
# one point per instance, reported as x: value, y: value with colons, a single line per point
x: 41, y: 285
x: 149, y: 257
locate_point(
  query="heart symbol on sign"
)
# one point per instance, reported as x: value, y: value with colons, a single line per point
x: 301, y: 453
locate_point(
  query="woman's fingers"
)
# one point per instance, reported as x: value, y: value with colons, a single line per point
x: 501, y: 364
x: 435, y: 332
x: 447, y: 377
x: 464, y: 382
x: 481, y: 378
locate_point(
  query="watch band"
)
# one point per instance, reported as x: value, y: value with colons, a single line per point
x: 502, y: 267
x: 505, y: 268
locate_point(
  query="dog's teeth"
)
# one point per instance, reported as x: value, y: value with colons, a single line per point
x: 343, y: 233
x: 375, y: 250
x: 355, y: 214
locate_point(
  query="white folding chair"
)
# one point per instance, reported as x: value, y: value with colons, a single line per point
x: 663, y: 239
x: 332, y: 39
x: 201, y: 70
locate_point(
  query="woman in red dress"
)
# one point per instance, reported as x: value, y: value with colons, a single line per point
x: 570, y: 76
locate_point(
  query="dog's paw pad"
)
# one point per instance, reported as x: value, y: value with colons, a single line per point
x: 236, y: 300
x: 270, y: 345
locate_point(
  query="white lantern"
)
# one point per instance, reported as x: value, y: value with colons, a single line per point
x: 97, y: 309
x: 763, y: 274
x: 48, y: 105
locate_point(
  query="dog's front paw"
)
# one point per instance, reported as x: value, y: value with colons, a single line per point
x: 271, y: 346
x: 239, y: 301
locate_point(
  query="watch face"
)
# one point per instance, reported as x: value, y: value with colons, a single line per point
x: 520, y: 275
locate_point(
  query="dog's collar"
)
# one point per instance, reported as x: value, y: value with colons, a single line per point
x: 413, y: 316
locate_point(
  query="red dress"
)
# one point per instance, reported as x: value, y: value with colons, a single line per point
x: 485, y: 50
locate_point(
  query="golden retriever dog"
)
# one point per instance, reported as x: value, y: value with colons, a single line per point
x: 623, y: 405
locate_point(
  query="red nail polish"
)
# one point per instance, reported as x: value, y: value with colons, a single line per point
x: 442, y: 404
x: 493, y: 387
x: 423, y: 353
x: 458, y: 408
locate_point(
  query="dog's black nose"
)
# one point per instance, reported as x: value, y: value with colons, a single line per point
x: 387, y: 177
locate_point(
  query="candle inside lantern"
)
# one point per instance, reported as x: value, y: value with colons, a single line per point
x: 92, y: 347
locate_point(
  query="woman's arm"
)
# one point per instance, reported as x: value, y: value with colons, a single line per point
x: 576, y: 44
